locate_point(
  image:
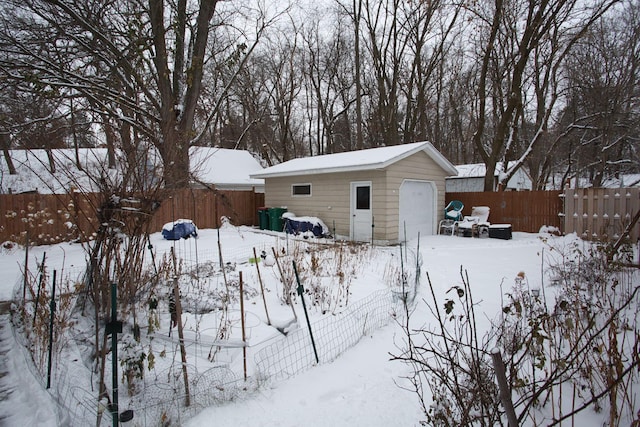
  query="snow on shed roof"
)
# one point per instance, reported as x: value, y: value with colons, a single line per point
x: 222, y: 166
x: 369, y: 159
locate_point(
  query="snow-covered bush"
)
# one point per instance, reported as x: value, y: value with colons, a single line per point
x: 580, y: 351
x: 326, y: 272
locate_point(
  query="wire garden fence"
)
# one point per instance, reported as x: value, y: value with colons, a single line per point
x: 161, y: 398
x: 294, y: 353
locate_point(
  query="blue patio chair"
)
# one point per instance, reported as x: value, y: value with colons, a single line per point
x: 453, y: 210
x: 452, y: 214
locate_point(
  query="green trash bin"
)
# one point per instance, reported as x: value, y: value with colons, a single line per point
x: 263, y: 218
x: 275, y: 218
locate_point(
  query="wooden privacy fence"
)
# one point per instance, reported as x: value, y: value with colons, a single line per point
x: 591, y: 213
x: 51, y: 218
x: 601, y: 213
x: 46, y: 218
x: 526, y: 211
x: 206, y: 207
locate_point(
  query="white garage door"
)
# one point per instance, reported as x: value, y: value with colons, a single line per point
x: 417, y: 208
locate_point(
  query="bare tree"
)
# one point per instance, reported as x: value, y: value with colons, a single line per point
x: 386, y: 49
x: 451, y: 129
x: 248, y: 113
x: 357, y: 16
x: 601, y: 117
x: 354, y: 11
x: 283, y: 65
x: 430, y: 31
x: 333, y: 87
x: 139, y: 63
x: 516, y: 56
x: 405, y: 45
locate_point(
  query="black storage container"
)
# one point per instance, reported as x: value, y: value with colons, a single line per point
x: 500, y: 231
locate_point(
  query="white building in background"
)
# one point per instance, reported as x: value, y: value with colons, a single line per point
x: 223, y: 168
x: 625, y: 180
x: 470, y: 178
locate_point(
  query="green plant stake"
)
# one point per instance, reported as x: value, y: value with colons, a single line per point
x: 113, y: 328
x: 53, y: 313
x: 26, y: 268
x: 300, y: 290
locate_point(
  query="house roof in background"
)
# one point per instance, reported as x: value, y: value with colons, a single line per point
x: 477, y: 170
x: 369, y: 159
x: 219, y: 166
x: 34, y: 174
x: 625, y: 180
x: 222, y: 166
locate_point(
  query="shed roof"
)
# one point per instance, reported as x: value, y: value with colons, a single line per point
x: 361, y: 160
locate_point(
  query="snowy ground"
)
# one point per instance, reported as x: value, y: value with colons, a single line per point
x: 361, y: 387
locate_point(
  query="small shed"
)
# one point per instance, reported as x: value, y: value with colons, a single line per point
x: 380, y: 194
x: 470, y: 178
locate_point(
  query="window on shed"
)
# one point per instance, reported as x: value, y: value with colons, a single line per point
x: 301, y: 190
x: 363, y: 197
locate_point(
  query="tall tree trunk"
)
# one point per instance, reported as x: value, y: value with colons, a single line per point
x: 175, y: 157
x: 177, y: 110
x: 5, y: 141
x: 489, y: 176
x: 478, y: 136
x: 111, y: 142
x: 357, y: 13
x: 51, y: 160
x: 74, y: 135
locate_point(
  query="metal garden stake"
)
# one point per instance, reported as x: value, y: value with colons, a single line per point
x: 300, y: 290
x: 113, y: 328
x: 53, y: 313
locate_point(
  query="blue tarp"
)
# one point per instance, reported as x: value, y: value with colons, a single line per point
x: 180, y: 229
x: 295, y: 226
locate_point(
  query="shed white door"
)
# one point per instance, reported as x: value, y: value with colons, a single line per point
x: 417, y: 209
x: 361, y: 211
